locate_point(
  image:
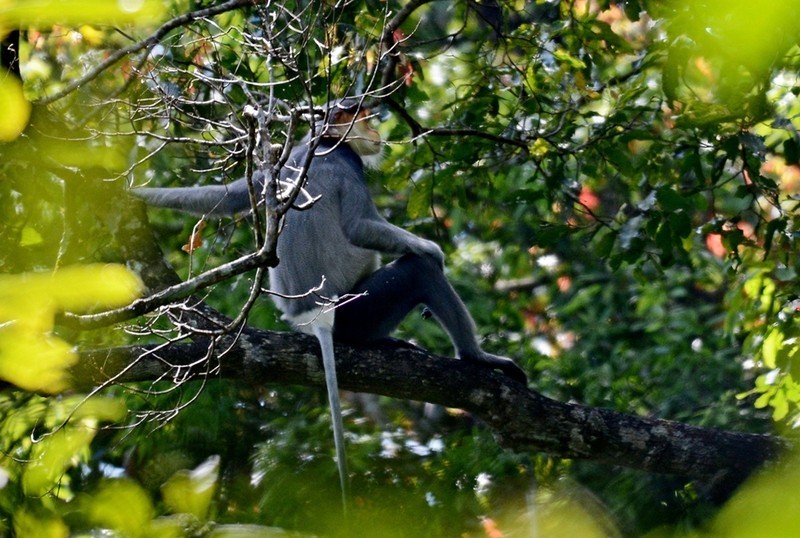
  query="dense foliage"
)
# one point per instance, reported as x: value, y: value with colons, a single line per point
x: 614, y: 184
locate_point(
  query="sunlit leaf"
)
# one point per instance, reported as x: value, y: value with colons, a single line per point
x: 771, y: 346
x: 763, y: 400
x: 191, y: 492
x: 70, y: 288
x: 764, y: 506
x: 31, y: 357
x: 569, y: 59
x: 20, y: 13
x: 122, y: 505
x: 86, y: 286
x: 30, y: 237
x: 560, y: 514
x: 14, y: 108
x: 95, y: 408
x: 753, y: 34
x: 84, y: 154
x: 168, y: 527
x: 30, y: 525
x: 52, y: 456
x: 35, y: 362
x: 780, y: 406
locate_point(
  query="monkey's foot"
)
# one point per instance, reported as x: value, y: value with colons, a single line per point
x: 505, y: 365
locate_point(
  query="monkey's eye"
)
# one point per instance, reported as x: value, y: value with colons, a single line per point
x: 378, y: 114
x: 366, y: 117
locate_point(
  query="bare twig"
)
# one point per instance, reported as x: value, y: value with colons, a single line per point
x: 149, y: 42
x: 262, y: 258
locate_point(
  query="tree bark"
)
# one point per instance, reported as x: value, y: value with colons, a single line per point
x: 521, y: 419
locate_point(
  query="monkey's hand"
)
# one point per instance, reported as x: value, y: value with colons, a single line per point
x: 423, y: 247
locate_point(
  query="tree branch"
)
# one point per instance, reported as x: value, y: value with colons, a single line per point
x: 176, y: 292
x: 149, y: 42
x: 418, y: 131
x: 521, y: 419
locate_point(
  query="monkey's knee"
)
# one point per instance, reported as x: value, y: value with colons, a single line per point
x: 418, y: 265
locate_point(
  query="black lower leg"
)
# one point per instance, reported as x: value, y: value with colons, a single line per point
x: 395, y: 289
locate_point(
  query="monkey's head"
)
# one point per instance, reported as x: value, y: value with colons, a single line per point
x: 347, y: 120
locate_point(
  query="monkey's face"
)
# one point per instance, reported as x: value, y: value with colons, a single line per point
x: 357, y: 132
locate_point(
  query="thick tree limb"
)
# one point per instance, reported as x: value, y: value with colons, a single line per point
x: 522, y: 419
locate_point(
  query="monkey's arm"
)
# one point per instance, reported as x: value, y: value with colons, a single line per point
x: 209, y: 200
x: 364, y: 227
x: 373, y: 232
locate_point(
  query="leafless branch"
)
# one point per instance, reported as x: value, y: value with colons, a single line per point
x: 152, y: 40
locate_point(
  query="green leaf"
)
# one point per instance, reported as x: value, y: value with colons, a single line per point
x: 22, y: 13
x: 122, y: 505
x: 16, y: 109
x: 681, y: 224
x: 604, y: 242
x: 27, y: 308
x: 549, y: 234
x: 773, y: 343
x: 52, y: 456
x: 663, y: 238
x: 669, y: 200
x: 419, y: 202
x: 780, y: 407
x: 773, y: 226
x: 763, y: 400
x: 791, y: 151
x: 564, y: 56
x: 29, y: 524
x: 191, y: 492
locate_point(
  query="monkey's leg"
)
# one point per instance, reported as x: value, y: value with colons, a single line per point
x: 395, y: 289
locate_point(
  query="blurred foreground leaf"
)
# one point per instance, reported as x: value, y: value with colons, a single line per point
x: 21, y: 13
x: 14, y: 107
x: 191, y: 492
x: 30, y: 356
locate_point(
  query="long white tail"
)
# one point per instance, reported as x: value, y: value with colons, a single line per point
x: 324, y: 334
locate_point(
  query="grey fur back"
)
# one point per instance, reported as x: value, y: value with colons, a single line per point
x: 311, y: 238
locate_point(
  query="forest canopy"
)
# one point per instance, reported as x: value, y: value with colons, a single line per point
x: 615, y: 187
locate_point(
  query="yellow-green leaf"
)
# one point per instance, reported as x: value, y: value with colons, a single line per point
x: 191, y: 492
x: 34, y: 362
x: 52, y: 456
x: 122, y: 505
x: 771, y: 346
x: 30, y: 525
x: 30, y: 356
x: 84, y: 286
x: 21, y: 13
x: 14, y: 108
